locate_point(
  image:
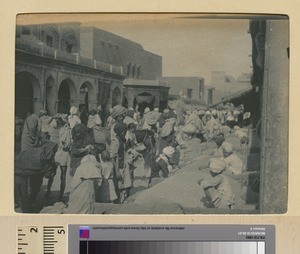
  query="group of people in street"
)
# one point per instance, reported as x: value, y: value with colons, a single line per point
x: 101, y: 156
x: 214, y: 125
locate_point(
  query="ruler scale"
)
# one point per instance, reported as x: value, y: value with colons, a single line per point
x: 42, y: 240
x: 48, y: 235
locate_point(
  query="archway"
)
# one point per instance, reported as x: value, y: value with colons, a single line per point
x: 28, y: 96
x: 116, y: 97
x: 51, y: 94
x: 66, y: 96
x: 144, y: 100
x: 87, y: 95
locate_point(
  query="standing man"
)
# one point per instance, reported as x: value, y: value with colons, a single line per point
x: 30, y: 134
x: 118, y: 113
x: 117, y: 153
x: 73, y: 119
x: 99, y: 112
x: 44, y: 124
x: 62, y: 156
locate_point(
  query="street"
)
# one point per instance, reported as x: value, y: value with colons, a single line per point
x: 180, y: 191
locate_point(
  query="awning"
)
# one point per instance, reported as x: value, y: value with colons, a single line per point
x: 233, y: 96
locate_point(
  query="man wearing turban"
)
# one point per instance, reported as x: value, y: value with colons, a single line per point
x: 162, y: 165
x: 118, y: 113
x: 73, y: 118
x: 233, y: 162
x: 117, y: 153
x: 218, y: 190
x: 30, y: 133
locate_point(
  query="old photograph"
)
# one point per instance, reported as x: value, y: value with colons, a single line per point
x: 151, y: 114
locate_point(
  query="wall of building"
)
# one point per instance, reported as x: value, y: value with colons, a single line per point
x: 113, y: 49
x: 87, y: 42
x: 274, y: 119
x: 225, y: 85
x: 183, y: 84
x: 95, y: 44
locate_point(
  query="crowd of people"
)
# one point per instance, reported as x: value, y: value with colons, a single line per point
x: 101, y: 155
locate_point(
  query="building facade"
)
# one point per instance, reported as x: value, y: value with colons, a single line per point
x: 51, y: 74
x: 64, y: 65
x: 145, y: 93
x: 194, y: 88
x: 187, y: 87
x: 106, y: 47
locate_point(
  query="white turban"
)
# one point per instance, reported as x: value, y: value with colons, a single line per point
x: 169, y: 150
x: 230, y: 118
x: 73, y: 110
x: 236, y: 127
x: 236, y: 112
x: 43, y: 111
x: 201, y: 112
x: 117, y: 111
x: 214, y: 112
x: 227, y: 147
x: 147, y: 110
x: 217, y: 166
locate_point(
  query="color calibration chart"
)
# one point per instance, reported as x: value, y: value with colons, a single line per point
x: 175, y: 239
x: 172, y: 247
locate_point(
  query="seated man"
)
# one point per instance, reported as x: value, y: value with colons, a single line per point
x: 162, y: 166
x: 219, y: 140
x: 218, y: 190
x: 234, y: 163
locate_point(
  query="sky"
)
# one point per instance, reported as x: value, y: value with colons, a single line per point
x: 190, y: 45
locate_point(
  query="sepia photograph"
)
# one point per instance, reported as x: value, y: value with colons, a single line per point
x: 151, y: 113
